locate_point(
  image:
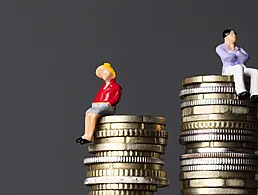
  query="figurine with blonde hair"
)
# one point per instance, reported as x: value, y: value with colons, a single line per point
x: 104, y: 102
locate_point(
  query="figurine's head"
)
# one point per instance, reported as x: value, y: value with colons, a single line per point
x: 106, y: 72
x: 229, y: 35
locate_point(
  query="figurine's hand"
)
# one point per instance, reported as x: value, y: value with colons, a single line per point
x: 109, y: 104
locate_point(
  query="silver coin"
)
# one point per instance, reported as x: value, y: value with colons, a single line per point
x: 219, y: 161
x: 220, y: 131
x: 123, y: 159
x: 160, y: 182
x: 206, y: 150
x: 206, y: 90
x: 218, y: 155
x: 219, y: 168
x: 218, y: 137
x: 201, y: 102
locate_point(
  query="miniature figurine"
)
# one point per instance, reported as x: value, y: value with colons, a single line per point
x: 104, y: 102
x: 233, y: 59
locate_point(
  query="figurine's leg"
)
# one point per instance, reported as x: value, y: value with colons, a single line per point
x: 90, y: 122
x: 253, y: 74
x: 238, y: 72
x: 91, y: 127
x: 91, y: 118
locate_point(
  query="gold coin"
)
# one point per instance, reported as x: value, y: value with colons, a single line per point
x: 220, y: 191
x: 126, y: 172
x: 216, y: 174
x: 207, y: 79
x: 132, y: 140
x: 127, y: 153
x: 132, y: 119
x: 199, y: 85
x: 124, y: 186
x: 120, y: 192
x: 217, y: 117
x: 225, y: 124
x: 121, y: 146
x: 111, y: 166
x: 225, y: 183
x: 216, y: 144
x: 130, y: 132
x: 210, y: 96
x: 129, y: 126
x: 218, y: 109
x: 197, y: 150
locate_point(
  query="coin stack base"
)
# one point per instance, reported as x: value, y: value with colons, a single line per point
x: 220, y: 135
x: 127, y: 158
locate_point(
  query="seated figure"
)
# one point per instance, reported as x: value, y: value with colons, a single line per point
x: 104, y: 102
x: 233, y: 59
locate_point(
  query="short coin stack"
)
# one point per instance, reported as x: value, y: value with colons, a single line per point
x: 220, y: 134
x: 128, y: 150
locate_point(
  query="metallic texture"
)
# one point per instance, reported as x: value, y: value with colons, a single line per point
x: 132, y: 140
x: 218, y: 109
x: 132, y: 119
x: 185, y: 92
x: 202, y: 102
x: 207, y: 79
x: 218, y: 137
x: 224, y: 167
x: 159, y: 182
x: 123, y: 159
x: 130, y: 132
x: 120, y: 192
x: 127, y: 159
x: 219, y: 161
x: 124, y: 146
x: 220, y: 125
x: 143, y: 166
x: 218, y: 155
x: 121, y: 186
x: 216, y: 174
x: 220, y: 133
x: 221, y: 144
x: 215, y: 96
x: 125, y: 153
x: 127, y: 173
x: 220, y: 191
x: 225, y: 183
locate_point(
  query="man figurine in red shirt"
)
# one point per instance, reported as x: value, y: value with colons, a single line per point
x: 104, y: 102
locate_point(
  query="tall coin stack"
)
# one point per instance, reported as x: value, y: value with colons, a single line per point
x: 127, y: 156
x: 220, y: 135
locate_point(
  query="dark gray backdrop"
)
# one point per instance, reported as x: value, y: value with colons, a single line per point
x: 49, y: 51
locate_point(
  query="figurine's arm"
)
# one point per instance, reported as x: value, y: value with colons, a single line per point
x: 224, y: 55
x: 242, y: 55
x: 116, y: 98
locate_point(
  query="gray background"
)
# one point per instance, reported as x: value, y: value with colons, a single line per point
x: 49, y: 51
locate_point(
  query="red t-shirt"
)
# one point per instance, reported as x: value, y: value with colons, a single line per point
x: 111, y: 94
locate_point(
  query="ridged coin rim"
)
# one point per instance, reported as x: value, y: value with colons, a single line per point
x: 123, y: 159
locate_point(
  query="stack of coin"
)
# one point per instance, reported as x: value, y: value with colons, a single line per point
x: 220, y: 135
x: 127, y: 158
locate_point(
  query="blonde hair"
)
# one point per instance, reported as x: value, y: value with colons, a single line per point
x: 108, y: 67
